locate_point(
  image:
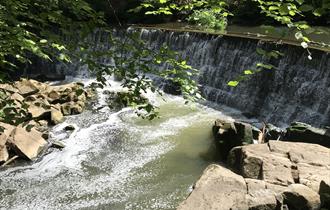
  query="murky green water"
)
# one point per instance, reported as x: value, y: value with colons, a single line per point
x: 117, y: 161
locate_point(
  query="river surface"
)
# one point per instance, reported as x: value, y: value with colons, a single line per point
x: 116, y: 160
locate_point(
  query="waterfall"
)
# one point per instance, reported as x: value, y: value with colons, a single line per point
x: 297, y: 89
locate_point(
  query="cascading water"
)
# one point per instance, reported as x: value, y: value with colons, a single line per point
x: 297, y: 89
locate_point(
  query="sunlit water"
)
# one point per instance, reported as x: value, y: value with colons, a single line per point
x: 116, y: 160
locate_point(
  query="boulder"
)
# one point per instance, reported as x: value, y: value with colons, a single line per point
x: 56, y: 106
x: 258, y: 197
x: 43, y: 122
x: 69, y: 128
x: 77, y: 96
x: 301, y: 152
x: 30, y: 98
x: 27, y: 144
x: 281, y: 164
x: 300, y: 197
x: 26, y: 87
x: 40, y: 85
x: 58, y: 144
x: 230, y: 134
x: 7, y: 129
x: 3, y: 149
x: 39, y: 112
x: 315, y: 177
x: 218, y: 188
x: 225, y: 135
x: 173, y: 88
x: 56, y: 116
x: 301, y: 132
x: 244, y: 132
x: 8, y: 88
x: 71, y: 108
x: 90, y: 93
x: 273, y: 132
x: 312, y: 164
x: 17, y: 97
x: 53, y: 96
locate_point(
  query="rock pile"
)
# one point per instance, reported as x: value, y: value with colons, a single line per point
x: 292, y: 172
x: 40, y: 105
x: 275, y: 175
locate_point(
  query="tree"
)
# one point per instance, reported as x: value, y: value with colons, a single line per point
x: 42, y: 28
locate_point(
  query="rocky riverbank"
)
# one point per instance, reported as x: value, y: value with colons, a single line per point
x: 31, y: 108
x: 291, y: 172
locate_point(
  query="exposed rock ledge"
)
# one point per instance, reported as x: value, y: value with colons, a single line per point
x: 276, y: 175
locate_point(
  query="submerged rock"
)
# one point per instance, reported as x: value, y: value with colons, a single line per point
x: 172, y: 88
x: 58, y: 144
x: 69, y: 128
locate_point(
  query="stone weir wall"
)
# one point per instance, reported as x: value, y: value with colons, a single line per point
x: 297, y: 89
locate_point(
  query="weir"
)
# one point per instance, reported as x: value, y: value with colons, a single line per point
x: 296, y: 89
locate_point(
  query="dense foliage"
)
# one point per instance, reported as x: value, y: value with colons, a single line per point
x: 58, y: 32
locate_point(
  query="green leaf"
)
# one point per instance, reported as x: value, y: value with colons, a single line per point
x: 318, y: 12
x: 272, y: 8
x: 266, y: 66
x: 300, y: 1
x: 248, y: 72
x: 233, y: 83
x: 306, y: 8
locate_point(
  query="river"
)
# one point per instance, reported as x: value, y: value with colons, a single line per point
x: 116, y: 160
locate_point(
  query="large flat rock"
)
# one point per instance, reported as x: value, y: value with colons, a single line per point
x: 218, y: 188
x: 26, y: 143
x: 26, y: 87
x: 268, y: 176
